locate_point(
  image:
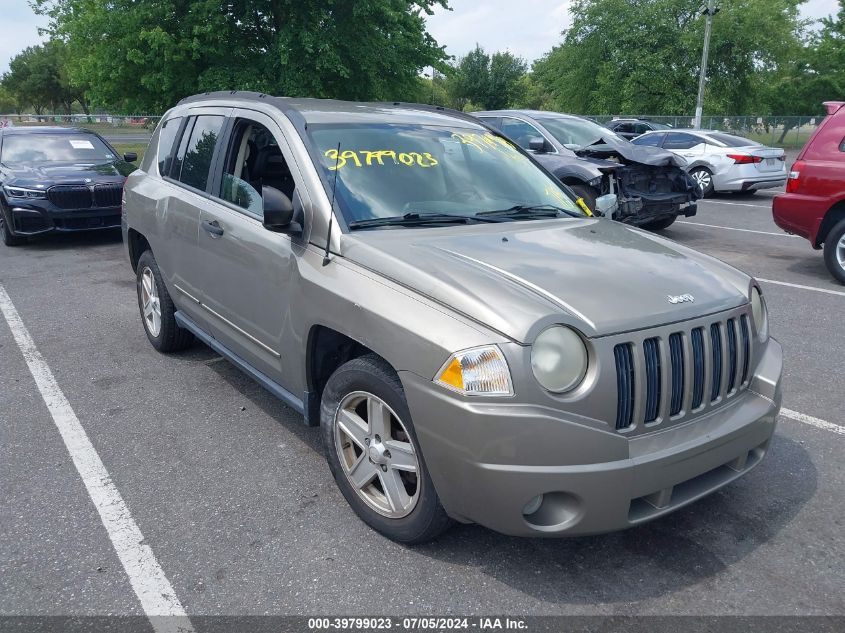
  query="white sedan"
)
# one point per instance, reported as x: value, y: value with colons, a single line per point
x: 722, y: 162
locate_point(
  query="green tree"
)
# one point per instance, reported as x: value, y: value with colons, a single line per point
x: 145, y: 55
x: 492, y: 82
x: 8, y: 102
x: 643, y: 56
x: 38, y: 77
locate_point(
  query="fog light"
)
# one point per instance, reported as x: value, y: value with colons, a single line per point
x: 532, y: 506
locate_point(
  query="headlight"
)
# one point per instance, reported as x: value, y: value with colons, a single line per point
x: 22, y: 192
x: 559, y: 359
x: 759, y: 313
x: 480, y: 371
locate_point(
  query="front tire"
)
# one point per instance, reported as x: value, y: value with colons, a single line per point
x: 659, y: 225
x: 157, y: 309
x: 703, y: 177
x: 834, y: 252
x: 373, y: 453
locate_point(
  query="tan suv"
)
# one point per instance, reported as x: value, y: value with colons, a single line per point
x: 474, y: 346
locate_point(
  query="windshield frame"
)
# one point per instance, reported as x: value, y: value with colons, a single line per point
x: 76, y: 133
x: 327, y: 177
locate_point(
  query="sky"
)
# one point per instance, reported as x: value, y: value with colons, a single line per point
x: 527, y: 28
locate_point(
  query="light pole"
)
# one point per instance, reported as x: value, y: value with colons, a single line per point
x: 709, y: 11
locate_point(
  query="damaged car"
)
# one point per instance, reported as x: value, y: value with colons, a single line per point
x: 649, y: 184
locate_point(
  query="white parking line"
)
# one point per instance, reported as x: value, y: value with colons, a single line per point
x: 735, y: 204
x: 802, y: 287
x: 146, y: 576
x: 808, y: 419
x: 732, y: 228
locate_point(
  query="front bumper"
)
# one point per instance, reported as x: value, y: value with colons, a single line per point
x: 619, y: 482
x: 34, y: 219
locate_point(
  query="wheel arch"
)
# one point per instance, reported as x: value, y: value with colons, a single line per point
x: 137, y: 244
x: 834, y: 215
x: 326, y: 350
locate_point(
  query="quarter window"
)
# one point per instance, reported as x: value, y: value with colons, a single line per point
x: 166, y: 140
x: 842, y: 145
x: 200, y: 150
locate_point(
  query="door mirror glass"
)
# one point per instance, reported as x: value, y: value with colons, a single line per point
x: 130, y: 157
x: 278, y: 210
x: 537, y: 144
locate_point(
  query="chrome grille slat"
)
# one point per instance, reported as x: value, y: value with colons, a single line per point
x: 732, y: 353
x: 698, y: 368
x: 746, y: 347
x: 625, y: 385
x: 676, y: 353
x: 651, y: 352
x: 716, y: 362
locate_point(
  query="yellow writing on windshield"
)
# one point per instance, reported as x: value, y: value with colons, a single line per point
x: 364, y: 158
x: 487, y: 142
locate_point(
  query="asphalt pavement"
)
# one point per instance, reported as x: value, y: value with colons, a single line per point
x: 236, y: 503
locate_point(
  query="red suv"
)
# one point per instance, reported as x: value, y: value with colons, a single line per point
x: 814, y: 203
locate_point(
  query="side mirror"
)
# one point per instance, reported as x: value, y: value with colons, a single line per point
x: 606, y: 205
x: 130, y: 157
x: 537, y: 144
x: 278, y: 210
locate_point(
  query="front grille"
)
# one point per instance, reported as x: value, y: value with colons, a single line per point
x: 107, y: 195
x: 661, y: 379
x: 70, y: 196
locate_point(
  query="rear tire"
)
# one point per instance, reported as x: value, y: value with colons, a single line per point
x: 363, y: 417
x: 157, y: 309
x: 587, y: 193
x: 834, y: 252
x: 704, y: 179
x: 7, y: 237
x: 659, y: 225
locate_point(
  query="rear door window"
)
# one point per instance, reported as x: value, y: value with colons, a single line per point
x: 842, y: 145
x: 200, y: 150
x: 679, y: 140
x: 166, y: 141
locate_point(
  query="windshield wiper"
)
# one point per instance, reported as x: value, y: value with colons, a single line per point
x: 417, y: 219
x: 530, y: 211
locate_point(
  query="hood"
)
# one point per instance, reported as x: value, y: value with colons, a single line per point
x: 609, y: 146
x: 598, y: 275
x: 49, y: 174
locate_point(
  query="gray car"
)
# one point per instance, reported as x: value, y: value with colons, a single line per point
x: 473, y: 345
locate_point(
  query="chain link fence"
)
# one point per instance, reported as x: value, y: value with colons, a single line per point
x: 104, y: 124
x: 789, y: 132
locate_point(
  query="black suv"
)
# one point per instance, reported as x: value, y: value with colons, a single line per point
x: 58, y: 179
x: 632, y: 128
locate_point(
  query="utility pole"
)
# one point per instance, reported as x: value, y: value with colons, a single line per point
x: 709, y: 11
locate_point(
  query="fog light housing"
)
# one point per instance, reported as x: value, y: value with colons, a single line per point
x: 532, y: 506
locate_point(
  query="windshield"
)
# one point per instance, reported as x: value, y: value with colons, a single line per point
x: 393, y: 170
x: 580, y: 132
x: 54, y: 148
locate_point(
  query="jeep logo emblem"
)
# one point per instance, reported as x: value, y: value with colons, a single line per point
x: 687, y: 298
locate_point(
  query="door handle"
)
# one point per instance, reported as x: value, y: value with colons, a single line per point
x: 213, y: 227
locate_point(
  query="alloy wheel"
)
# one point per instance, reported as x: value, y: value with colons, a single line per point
x: 702, y: 178
x: 840, y: 252
x: 150, y: 303
x: 377, y: 455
